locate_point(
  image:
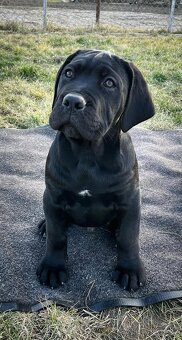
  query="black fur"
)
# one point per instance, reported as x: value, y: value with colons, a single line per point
x: 91, y: 171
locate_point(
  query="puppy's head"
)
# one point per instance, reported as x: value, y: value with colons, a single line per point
x: 96, y: 92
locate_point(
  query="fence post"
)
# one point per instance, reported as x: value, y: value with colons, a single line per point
x: 44, y: 14
x: 171, y: 16
x: 98, y: 6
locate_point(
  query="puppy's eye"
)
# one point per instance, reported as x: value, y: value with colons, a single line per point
x: 69, y: 73
x: 109, y: 83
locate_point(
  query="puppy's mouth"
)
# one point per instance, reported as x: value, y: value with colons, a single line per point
x: 70, y: 131
x: 76, y: 121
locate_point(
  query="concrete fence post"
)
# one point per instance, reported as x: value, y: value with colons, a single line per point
x: 171, y: 16
x: 44, y: 14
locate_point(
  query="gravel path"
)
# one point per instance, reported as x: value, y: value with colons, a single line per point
x: 81, y: 18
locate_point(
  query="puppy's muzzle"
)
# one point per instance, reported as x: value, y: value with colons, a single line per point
x: 73, y: 102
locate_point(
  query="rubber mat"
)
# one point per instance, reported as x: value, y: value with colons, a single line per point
x: 91, y: 254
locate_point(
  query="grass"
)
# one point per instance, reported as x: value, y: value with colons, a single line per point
x: 159, y: 322
x: 29, y: 62
x: 56, y: 323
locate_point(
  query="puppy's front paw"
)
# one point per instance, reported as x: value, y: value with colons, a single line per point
x: 52, y: 274
x: 130, y: 275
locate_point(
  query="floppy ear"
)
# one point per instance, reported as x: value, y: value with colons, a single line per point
x: 139, y: 105
x: 67, y: 61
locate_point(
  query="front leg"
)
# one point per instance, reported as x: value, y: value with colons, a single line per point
x: 129, y: 272
x: 52, y: 270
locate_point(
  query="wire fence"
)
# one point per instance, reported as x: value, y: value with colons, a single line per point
x: 124, y: 14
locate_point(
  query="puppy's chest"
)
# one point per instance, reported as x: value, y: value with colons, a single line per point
x: 88, y: 178
x: 89, y: 197
x: 87, y: 209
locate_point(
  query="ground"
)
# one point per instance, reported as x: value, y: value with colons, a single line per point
x: 32, y: 17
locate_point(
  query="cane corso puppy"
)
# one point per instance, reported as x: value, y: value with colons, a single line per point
x: 91, y: 171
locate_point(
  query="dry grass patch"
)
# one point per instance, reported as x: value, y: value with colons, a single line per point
x: 159, y: 322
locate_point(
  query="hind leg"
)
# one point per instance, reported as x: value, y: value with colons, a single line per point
x: 42, y: 227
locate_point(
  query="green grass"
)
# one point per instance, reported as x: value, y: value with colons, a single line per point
x: 29, y: 63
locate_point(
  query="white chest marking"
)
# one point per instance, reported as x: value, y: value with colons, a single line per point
x: 85, y: 193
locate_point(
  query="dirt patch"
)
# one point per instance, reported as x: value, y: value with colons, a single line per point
x: 33, y: 17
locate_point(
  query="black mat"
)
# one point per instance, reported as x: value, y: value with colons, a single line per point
x: 93, y: 254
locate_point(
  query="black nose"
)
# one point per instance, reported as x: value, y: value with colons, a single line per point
x: 74, y: 101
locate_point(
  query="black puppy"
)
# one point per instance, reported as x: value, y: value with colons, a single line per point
x: 91, y: 171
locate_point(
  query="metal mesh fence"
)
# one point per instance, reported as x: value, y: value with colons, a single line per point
x: 125, y: 14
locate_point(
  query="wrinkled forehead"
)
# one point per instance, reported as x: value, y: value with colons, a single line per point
x: 92, y: 60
